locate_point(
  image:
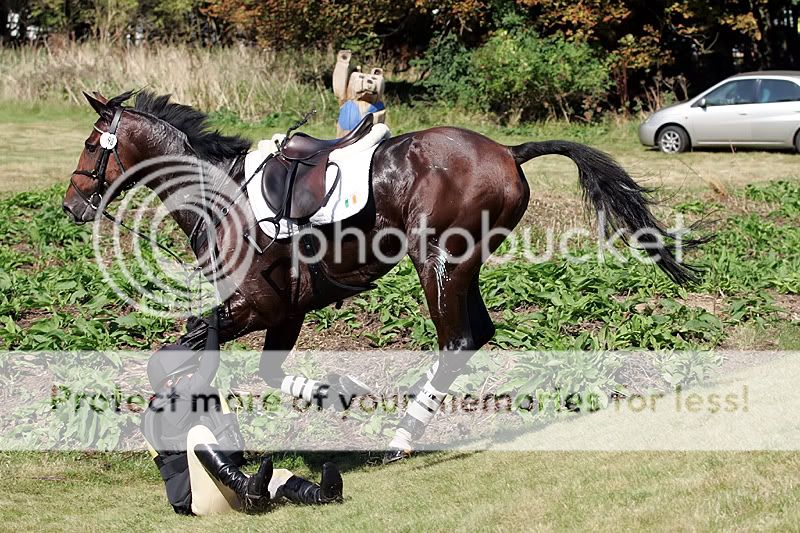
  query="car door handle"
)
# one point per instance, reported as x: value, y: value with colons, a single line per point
x: 742, y: 114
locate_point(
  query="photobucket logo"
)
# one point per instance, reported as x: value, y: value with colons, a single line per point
x: 138, y: 262
x: 180, y: 196
x: 456, y: 245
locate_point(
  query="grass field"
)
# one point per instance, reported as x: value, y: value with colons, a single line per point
x: 25, y: 162
x: 750, y: 301
x: 439, y: 492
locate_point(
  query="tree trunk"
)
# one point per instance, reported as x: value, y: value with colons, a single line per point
x: 761, y: 13
x: 777, y: 22
x: 3, y: 22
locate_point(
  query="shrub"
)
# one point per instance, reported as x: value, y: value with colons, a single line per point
x: 522, y: 75
x: 447, y: 70
x: 518, y: 74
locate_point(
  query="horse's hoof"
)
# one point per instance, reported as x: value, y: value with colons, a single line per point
x: 343, y: 391
x: 392, y: 456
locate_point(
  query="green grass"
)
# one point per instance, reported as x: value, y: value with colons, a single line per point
x: 40, y: 145
x: 435, y: 492
x: 52, y: 297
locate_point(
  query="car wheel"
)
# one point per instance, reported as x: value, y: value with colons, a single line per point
x: 673, y: 140
x: 797, y: 141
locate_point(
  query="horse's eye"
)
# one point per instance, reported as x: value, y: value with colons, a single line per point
x: 90, y: 147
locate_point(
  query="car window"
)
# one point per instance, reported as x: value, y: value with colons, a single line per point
x: 772, y: 91
x: 733, y: 93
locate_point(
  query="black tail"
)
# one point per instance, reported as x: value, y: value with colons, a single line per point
x: 620, y: 203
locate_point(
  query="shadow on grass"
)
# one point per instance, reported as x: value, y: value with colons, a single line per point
x: 355, y: 461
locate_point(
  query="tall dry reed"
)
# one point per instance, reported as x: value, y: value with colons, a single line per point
x: 248, y: 81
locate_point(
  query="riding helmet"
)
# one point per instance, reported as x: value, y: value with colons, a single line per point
x: 170, y: 360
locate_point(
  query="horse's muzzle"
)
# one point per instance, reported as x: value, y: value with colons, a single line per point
x: 68, y: 210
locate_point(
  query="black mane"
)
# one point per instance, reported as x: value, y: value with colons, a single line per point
x: 209, y: 144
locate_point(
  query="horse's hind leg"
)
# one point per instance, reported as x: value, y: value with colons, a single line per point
x: 462, y: 324
x: 480, y: 322
x: 481, y: 328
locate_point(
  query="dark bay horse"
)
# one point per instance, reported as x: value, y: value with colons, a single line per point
x: 442, y: 178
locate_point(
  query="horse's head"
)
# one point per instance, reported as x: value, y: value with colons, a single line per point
x: 108, y: 151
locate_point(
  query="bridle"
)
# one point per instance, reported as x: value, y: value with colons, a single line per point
x: 108, y: 145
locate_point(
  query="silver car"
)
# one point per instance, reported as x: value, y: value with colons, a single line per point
x: 756, y: 109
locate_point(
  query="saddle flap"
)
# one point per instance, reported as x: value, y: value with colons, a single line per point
x: 274, y: 181
x: 308, y: 191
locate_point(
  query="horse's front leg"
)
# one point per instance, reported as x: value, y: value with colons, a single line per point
x: 278, y: 344
x: 336, y: 391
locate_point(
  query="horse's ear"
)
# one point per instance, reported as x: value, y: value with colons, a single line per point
x: 100, y: 97
x: 98, y: 105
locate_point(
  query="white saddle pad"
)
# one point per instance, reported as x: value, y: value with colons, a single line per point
x: 347, y: 199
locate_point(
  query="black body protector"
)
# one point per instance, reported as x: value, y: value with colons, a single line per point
x: 184, y: 398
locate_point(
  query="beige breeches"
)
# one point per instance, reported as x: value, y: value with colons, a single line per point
x: 209, y: 496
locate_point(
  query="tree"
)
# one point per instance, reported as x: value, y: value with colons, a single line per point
x: 280, y: 24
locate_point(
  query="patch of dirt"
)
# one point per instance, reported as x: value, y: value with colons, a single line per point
x: 25, y: 248
x: 592, y: 326
x: 738, y: 360
x: 790, y: 306
x: 745, y: 337
x: 38, y: 385
x: 340, y: 337
x: 334, y: 338
x: 29, y: 316
x: 639, y: 375
x: 710, y: 303
x: 133, y: 376
x: 738, y: 206
x: 555, y: 212
x: 497, y: 314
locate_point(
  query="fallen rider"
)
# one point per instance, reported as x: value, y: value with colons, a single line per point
x: 198, y: 447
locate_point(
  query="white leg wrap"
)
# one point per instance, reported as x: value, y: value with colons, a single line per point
x: 422, y: 409
x: 426, y: 404
x: 401, y: 440
x: 300, y: 387
x: 432, y: 370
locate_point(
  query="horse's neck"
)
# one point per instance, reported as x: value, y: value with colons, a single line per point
x: 235, y: 169
x: 181, y: 192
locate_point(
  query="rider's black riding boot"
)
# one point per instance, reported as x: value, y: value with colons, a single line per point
x: 329, y: 490
x: 252, y: 490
